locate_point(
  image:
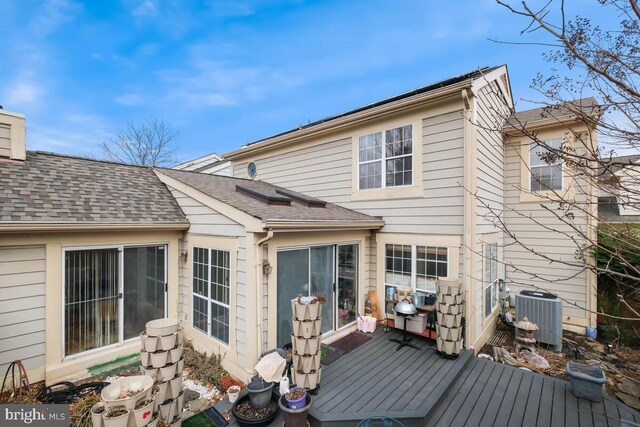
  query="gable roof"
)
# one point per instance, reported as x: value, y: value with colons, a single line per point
x: 54, y: 190
x: 468, y: 78
x: 225, y: 189
x: 550, y: 114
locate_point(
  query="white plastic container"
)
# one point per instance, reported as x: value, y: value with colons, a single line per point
x: 367, y: 324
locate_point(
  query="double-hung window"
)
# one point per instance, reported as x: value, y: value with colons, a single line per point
x: 490, y: 277
x: 211, y: 289
x: 546, y: 168
x: 385, y: 159
x: 415, y: 266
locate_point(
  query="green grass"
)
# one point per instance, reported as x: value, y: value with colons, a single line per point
x: 198, y: 420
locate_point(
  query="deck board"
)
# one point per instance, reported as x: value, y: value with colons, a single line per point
x: 420, y: 388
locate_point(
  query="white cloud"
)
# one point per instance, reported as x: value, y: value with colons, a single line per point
x: 129, y: 99
x: 146, y: 8
x: 22, y: 94
x: 52, y: 15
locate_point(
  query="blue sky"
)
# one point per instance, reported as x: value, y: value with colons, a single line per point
x: 224, y: 73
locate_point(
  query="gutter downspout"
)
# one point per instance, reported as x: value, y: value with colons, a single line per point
x: 469, y: 222
x: 259, y: 276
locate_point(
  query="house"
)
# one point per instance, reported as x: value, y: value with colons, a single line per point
x: 435, y: 164
x: 211, y: 163
x: 399, y: 192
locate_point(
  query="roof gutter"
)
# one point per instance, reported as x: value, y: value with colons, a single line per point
x: 349, y: 120
x: 55, y: 227
x: 320, y: 225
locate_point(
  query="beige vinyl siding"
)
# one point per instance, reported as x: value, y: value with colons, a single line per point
x: 325, y: 171
x: 206, y: 221
x: 568, y: 282
x: 22, y: 308
x: 491, y: 108
x: 5, y: 140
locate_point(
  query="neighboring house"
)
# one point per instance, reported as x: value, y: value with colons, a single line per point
x: 435, y: 165
x: 399, y: 192
x: 620, y: 190
x: 211, y: 164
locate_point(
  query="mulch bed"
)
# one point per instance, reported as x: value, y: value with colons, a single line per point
x: 247, y: 410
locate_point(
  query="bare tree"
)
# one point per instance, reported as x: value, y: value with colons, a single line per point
x: 588, y: 61
x: 150, y: 143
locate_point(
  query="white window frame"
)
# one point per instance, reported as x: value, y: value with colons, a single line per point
x: 532, y: 149
x: 414, y: 265
x: 383, y: 159
x: 208, y: 299
x: 490, y: 277
x: 120, y: 248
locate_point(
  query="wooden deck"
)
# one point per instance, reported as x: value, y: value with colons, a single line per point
x: 418, y: 388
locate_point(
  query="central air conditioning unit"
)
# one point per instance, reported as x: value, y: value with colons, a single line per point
x: 545, y: 310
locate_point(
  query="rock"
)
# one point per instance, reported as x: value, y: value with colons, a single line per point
x: 502, y: 355
x: 190, y: 395
x: 534, y: 359
x: 199, y: 405
x: 629, y: 387
x: 629, y: 400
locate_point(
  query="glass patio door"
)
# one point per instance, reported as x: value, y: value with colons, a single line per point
x: 91, y: 306
x: 293, y: 280
x: 347, y: 294
x: 110, y: 294
x: 322, y: 282
x: 144, y: 287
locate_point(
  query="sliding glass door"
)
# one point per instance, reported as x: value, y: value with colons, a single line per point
x: 329, y: 270
x: 111, y: 293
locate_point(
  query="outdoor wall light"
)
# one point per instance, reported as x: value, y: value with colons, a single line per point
x: 184, y: 255
x: 266, y: 267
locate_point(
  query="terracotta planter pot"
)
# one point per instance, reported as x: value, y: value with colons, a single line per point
x: 168, y: 342
x: 180, y: 402
x: 151, y: 372
x: 168, y: 372
x: 168, y: 410
x: 306, y: 345
x: 162, y: 394
x: 120, y: 421
x: 160, y: 327
x: 449, y: 308
x: 448, y: 287
x: 145, y: 358
x: 449, y: 299
x: 307, y: 380
x: 175, y: 385
x: 448, y: 347
x: 176, y: 353
x: 142, y: 416
x: 449, y: 320
x: 450, y: 334
x: 150, y: 344
x: 159, y: 359
x: 306, y: 364
x: 154, y: 422
x: 96, y: 417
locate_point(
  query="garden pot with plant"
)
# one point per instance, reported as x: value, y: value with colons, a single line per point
x: 150, y: 344
x: 96, y: 414
x: 145, y: 358
x: 143, y: 412
x: 233, y: 392
x: 177, y: 421
x: 168, y: 410
x: 180, y: 400
x: 259, y: 392
x: 180, y: 366
x: 175, y: 354
x: 168, y: 372
x: 116, y: 417
x: 296, y: 398
x: 155, y: 419
x: 159, y: 359
x: 295, y: 417
x: 175, y: 386
x: 161, y: 394
x: 308, y: 380
x: 168, y: 342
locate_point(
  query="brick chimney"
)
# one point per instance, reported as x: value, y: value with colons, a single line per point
x: 12, y: 136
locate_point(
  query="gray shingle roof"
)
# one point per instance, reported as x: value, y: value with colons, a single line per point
x: 551, y: 112
x: 223, y: 188
x: 54, y: 188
